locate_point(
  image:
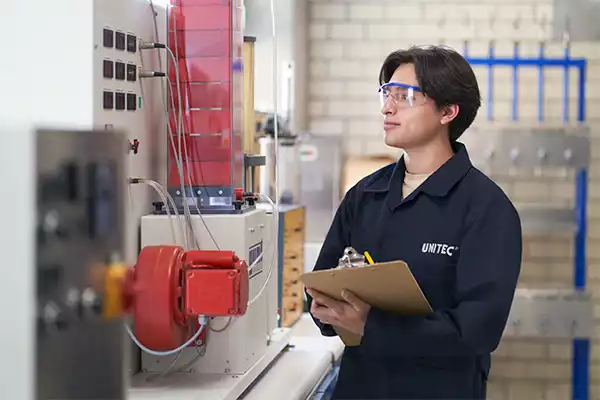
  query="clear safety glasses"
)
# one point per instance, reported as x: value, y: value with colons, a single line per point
x: 401, y: 95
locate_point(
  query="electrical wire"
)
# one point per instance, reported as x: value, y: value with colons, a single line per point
x: 187, y: 243
x: 179, y: 135
x: 165, y: 197
x: 166, y: 370
x: 201, y: 352
x: 202, y: 320
x: 223, y: 329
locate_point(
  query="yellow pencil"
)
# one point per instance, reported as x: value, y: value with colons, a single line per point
x: 368, y: 257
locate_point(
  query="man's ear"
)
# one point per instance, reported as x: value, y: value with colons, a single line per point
x: 449, y: 113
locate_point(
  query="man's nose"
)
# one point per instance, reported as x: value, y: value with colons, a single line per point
x: 388, y: 107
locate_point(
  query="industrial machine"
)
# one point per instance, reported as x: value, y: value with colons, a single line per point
x: 192, y: 279
x: 206, y: 305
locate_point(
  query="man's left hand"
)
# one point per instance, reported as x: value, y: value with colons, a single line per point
x: 350, y: 314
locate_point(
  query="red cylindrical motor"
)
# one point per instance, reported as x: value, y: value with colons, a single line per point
x: 173, y: 288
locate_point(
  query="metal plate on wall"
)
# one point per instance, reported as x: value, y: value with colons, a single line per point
x: 551, y: 313
x: 530, y: 148
x: 580, y: 18
x: 541, y: 218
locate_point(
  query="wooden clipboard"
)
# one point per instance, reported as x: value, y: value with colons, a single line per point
x: 388, y: 286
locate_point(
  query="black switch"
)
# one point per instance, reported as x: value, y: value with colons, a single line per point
x: 120, y: 70
x: 109, y: 102
x: 108, y: 38
x: 131, y: 100
x: 131, y: 43
x: 120, y: 41
x: 120, y: 101
x: 131, y: 72
x: 71, y: 179
x: 109, y: 70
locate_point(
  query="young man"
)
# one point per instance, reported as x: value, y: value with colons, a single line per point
x: 456, y: 229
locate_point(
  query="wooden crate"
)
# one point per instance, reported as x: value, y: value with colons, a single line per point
x: 291, y: 264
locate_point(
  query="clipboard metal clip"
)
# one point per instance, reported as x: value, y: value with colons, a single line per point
x: 351, y: 259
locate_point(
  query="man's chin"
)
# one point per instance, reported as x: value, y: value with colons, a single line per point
x: 389, y: 140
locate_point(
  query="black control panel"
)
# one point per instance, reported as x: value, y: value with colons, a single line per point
x: 119, y: 70
x: 79, y: 354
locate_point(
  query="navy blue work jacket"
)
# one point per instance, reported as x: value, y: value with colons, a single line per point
x: 461, y: 237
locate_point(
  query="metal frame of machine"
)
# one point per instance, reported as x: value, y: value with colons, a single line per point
x: 533, y: 150
x: 79, y: 231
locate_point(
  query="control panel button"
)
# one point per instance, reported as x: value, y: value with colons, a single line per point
x: 109, y: 69
x: 131, y: 72
x: 131, y: 101
x: 53, y: 317
x: 120, y: 41
x: 120, y: 70
x: 119, y: 101
x: 91, y: 301
x: 108, y: 101
x: 108, y: 38
x: 131, y: 43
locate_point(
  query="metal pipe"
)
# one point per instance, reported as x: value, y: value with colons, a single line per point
x: 566, y: 84
x: 581, y: 100
x: 541, y: 84
x: 515, y: 83
x: 581, y: 369
x: 527, y: 62
x: 490, y: 103
x: 580, y: 236
x: 466, y: 48
x: 581, y: 347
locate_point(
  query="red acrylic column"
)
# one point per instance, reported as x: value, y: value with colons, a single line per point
x: 207, y: 39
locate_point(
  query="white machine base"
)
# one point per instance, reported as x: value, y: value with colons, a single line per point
x: 295, y: 371
x: 190, y: 386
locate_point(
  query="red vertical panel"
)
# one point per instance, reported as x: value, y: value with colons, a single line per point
x: 200, y: 34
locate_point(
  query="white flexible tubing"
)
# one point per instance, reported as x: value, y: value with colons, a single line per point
x: 191, y: 341
x: 180, y: 133
x: 167, y: 199
x: 167, y: 120
x: 182, y: 126
x: 179, y: 162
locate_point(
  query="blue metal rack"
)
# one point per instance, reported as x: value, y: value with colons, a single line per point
x: 581, y: 347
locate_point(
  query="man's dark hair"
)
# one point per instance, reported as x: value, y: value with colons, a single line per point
x: 444, y: 76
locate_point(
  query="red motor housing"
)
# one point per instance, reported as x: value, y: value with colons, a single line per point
x: 216, y: 284
x: 173, y: 287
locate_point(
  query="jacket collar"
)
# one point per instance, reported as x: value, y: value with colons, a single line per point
x: 439, y: 184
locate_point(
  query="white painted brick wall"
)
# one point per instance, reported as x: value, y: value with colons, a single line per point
x: 349, y: 39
